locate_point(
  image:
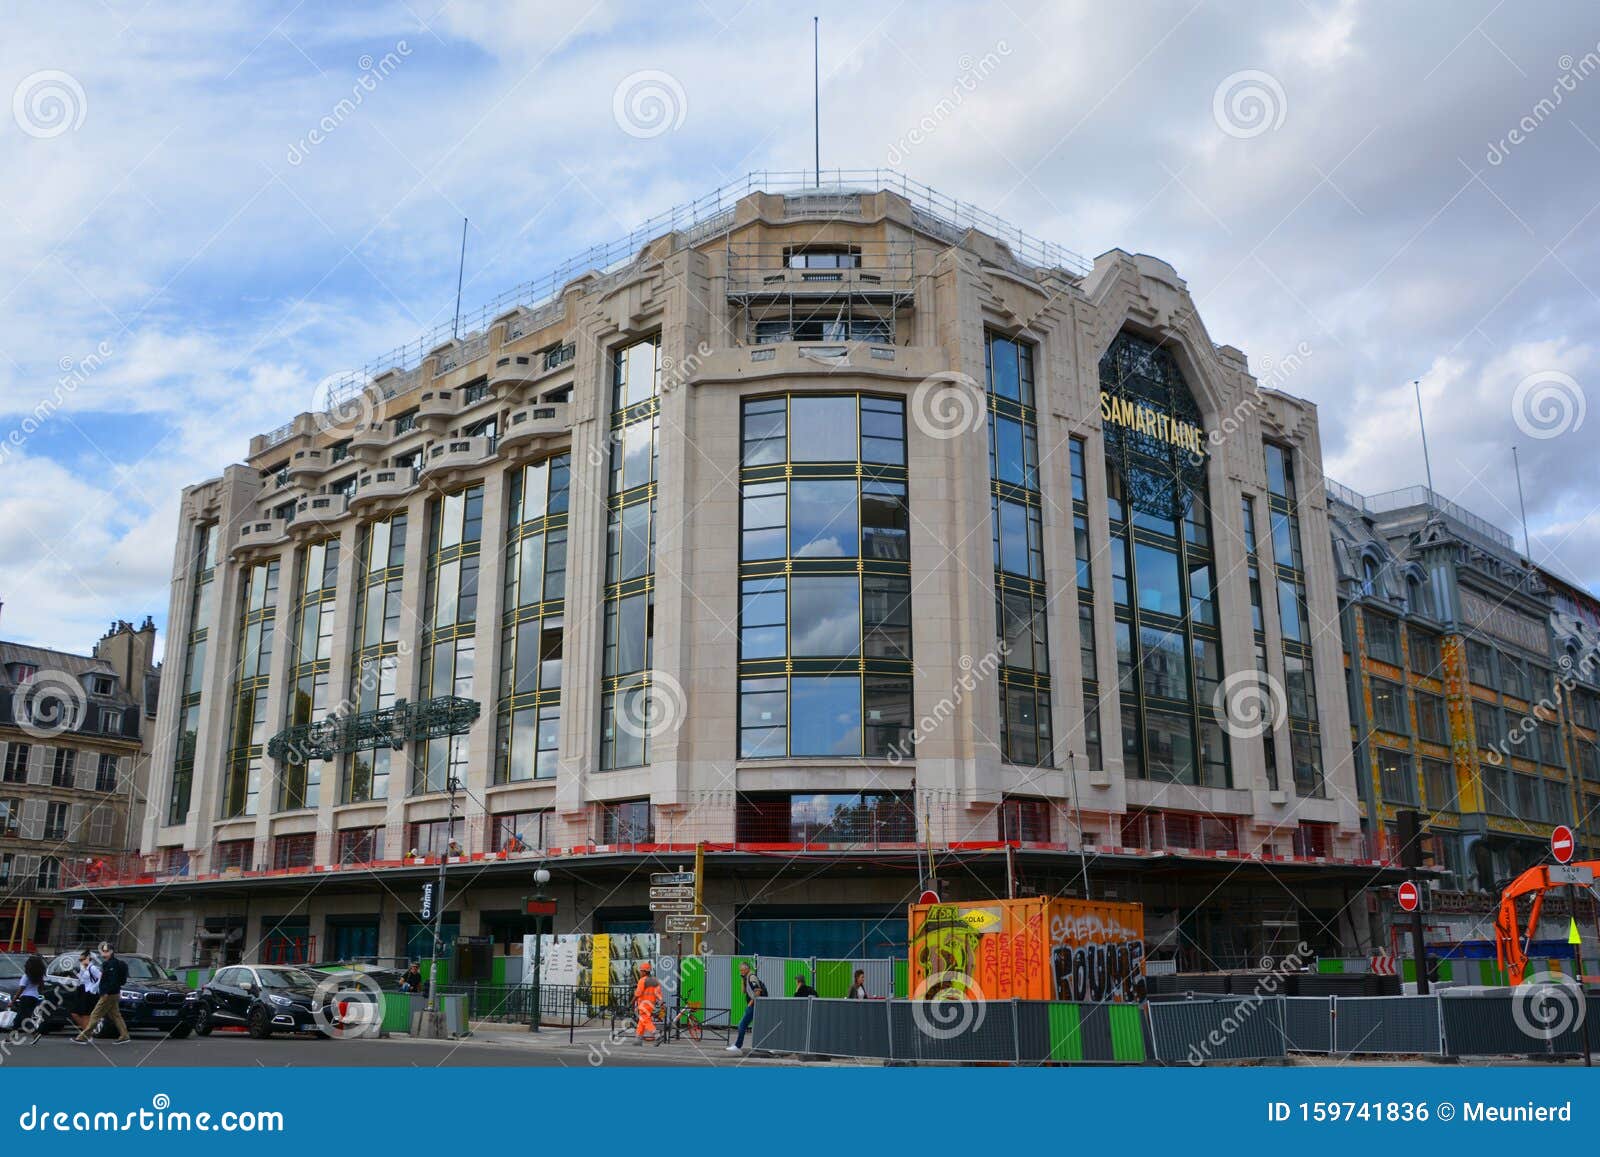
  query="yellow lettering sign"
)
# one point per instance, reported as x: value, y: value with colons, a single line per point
x: 1152, y: 423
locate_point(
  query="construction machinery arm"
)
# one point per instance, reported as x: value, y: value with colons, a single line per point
x: 1510, y: 942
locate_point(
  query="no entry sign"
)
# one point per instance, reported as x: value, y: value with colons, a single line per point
x: 1409, y: 897
x: 1562, y: 843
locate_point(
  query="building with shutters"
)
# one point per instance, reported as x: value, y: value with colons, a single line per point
x: 848, y: 534
x: 74, y: 762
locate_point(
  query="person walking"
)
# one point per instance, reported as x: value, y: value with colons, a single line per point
x: 802, y: 987
x: 113, y: 972
x: 753, y: 991
x: 858, y: 986
x: 83, y: 1001
x: 646, y: 994
x: 30, y: 995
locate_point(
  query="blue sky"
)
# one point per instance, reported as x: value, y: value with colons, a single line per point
x: 160, y: 203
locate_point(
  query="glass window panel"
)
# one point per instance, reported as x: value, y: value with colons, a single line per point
x: 1014, y: 538
x: 765, y: 517
x: 822, y: 519
x: 555, y: 565
x: 888, y: 716
x: 886, y: 617
x: 825, y: 715
x: 1169, y: 747
x: 1164, y: 663
x: 885, y: 522
x: 1202, y: 605
x: 824, y: 615
x: 1289, y: 610
x: 764, y: 429
x: 762, y: 619
x: 823, y: 429
x: 883, y: 437
x: 762, y: 718
x: 1156, y: 568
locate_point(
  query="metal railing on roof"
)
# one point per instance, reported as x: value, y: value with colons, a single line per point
x: 703, y: 218
x: 1422, y: 496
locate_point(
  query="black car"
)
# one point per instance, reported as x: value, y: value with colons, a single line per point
x: 264, y: 998
x: 152, y: 1000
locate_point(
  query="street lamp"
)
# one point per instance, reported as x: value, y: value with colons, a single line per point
x: 540, y: 905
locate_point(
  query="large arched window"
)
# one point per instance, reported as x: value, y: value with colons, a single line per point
x: 1169, y: 655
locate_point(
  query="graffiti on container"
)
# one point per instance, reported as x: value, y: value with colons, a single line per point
x: 1107, y: 970
x: 947, y: 947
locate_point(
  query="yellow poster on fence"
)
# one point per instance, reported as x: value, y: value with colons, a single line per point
x: 600, y: 969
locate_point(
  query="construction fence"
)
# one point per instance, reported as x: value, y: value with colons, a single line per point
x: 1550, y: 1021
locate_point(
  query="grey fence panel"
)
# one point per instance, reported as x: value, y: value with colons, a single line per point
x: 782, y: 1026
x: 1197, y: 1031
x: 719, y: 988
x: 1386, y: 1024
x: 1516, y: 1023
x: 847, y: 1028
x: 1308, y: 1024
x: 880, y: 975
x: 953, y: 1030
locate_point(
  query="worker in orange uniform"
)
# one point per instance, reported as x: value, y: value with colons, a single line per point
x: 645, y: 995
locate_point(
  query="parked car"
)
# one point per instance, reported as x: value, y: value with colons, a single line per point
x: 153, y: 1000
x: 266, y: 998
x: 10, y: 973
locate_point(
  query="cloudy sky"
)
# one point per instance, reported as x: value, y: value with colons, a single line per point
x: 1375, y: 192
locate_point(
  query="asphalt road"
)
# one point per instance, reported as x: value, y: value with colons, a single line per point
x: 236, y: 1050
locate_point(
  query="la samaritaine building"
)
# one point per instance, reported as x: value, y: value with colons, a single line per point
x: 835, y: 530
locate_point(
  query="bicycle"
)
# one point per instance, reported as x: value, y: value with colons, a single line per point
x: 686, y: 1021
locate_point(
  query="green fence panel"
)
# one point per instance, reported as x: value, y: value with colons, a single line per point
x: 792, y: 968
x: 902, y: 985
x: 497, y: 970
x: 1127, y: 1032
x: 692, y: 981
x: 397, y: 1012
x: 833, y: 978
x: 1066, y: 1032
x: 1330, y: 966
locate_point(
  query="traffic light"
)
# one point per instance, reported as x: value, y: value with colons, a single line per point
x: 1409, y: 832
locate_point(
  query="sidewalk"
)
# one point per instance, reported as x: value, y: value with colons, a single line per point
x: 592, y: 1045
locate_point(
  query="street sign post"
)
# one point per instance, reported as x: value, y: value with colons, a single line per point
x: 660, y: 879
x: 1409, y: 897
x: 693, y: 924
x: 1562, y: 843
x: 676, y: 906
x: 672, y: 892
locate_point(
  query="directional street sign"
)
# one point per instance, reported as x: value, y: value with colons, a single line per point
x: 1562, y: 843
x: 672, y: 905
x: 671, y: 892
x: 1570, y: 874
x: 699, y: 922
x: 1409, y: 897
x: 662, y: 878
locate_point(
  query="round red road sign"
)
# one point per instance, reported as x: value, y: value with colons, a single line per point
x: 928, y: 898
x: 1408, y: 897
x: 1562, y: 843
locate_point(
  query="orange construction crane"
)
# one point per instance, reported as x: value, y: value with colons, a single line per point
x: 1509, y: 941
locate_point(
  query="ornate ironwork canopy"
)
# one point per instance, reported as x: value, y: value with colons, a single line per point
x: 395, y: 726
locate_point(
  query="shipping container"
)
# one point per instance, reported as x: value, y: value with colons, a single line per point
x: 1035, y: 949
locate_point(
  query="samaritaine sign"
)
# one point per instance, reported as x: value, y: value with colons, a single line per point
x: 1153, y: 423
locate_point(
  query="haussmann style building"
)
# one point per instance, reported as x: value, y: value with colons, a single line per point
x: 846, y: 534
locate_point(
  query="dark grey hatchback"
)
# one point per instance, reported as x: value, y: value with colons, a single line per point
x: 264, y: 998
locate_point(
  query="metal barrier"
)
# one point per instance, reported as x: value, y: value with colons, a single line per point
x: 1227, y: 1029
x: 1308, y: 1024
x: 1514, y: 1024
x: 954, y: 1031
x: 1387, y: 1024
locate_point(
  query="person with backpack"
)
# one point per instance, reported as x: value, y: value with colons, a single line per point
x: 113, y: 974
x: 753, y: 991
x: 83, y: 1000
